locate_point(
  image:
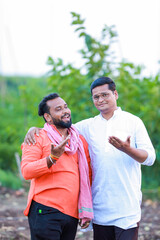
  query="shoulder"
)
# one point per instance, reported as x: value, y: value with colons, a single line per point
x: 131, y: 120
x: 39, y: 140
x: 86, y: 122
x: 42, y: 136
x: 130, y: 116
x: 42, y: 133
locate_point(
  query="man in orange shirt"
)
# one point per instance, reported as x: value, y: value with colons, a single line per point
x: 60, y: 186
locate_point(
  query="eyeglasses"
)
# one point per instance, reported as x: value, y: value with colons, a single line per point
x: 102, y: 95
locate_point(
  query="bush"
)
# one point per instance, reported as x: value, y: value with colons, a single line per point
x: 7, y: 157
x: 10, y: 180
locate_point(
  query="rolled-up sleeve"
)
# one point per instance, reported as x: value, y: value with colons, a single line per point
x: 143, y: 142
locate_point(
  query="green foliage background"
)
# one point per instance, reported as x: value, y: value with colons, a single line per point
x: 138, y: 94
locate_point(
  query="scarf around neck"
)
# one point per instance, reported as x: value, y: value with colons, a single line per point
x: 85, y: 208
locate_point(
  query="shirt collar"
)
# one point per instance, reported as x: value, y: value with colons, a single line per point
x: 116, y: 112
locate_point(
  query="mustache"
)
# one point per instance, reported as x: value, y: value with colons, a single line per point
x: 66, y: 115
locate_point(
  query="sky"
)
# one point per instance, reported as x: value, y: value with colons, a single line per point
x: 32, y: 30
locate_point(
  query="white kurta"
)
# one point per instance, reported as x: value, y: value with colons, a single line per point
x: 116, y: 181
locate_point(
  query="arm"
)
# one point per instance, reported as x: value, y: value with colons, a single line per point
x: 143, y: 152
x: 138, y: 154
x: 30, y: 135
x: 143, y: 142
x: 33, y: 165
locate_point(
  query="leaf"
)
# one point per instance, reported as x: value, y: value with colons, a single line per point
x: 80, y: 28
x: 82, y: 34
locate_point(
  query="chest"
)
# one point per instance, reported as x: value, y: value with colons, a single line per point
x: 98, y: 133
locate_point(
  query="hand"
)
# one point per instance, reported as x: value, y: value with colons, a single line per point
x: 139, y: 155
x: 30, y: 138
x: 84, y: 223
x: 59, y: 149
x: 119, y: 144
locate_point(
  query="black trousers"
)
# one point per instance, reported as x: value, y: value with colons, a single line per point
x: 114, y: 233
x: 48, y: 223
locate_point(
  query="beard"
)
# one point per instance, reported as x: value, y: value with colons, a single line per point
x: 61, y: 123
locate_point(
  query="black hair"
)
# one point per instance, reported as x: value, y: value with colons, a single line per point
x: 43, y: 107
x: 104, y: 80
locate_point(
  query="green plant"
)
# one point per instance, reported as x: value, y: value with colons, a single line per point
x: 10, y: 180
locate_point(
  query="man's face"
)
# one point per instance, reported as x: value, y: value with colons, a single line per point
x: 59, y: 113
x: 104, y: 99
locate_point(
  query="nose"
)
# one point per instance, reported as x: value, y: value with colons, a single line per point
x: 101, y: 99
x: 66, y: 111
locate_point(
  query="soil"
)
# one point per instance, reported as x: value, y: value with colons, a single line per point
x: 14, y: 225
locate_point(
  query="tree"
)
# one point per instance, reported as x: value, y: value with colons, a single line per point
x: 138, y: 94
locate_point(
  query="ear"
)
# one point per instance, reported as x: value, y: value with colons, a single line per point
x: 116, y: 94
x: 48, y: 118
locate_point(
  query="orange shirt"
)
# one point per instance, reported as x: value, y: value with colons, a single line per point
x: 56, y: 187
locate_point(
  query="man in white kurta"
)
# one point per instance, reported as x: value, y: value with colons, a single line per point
x: 118, y: 145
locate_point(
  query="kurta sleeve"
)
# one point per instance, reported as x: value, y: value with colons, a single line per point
x: 143, y: 142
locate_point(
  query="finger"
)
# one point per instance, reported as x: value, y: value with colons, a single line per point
x: 64, y: 142
x: 63, y: 138
x: 26, y: 141
x: 55, y: 150
x: 117, y: 142
x: 67, y: 138
x: 31, y: 138
x: 85, y: 225
x: 37, y: 131
x: 129, y: 139
x: 80, y: 222
x: 115, y: 139
x: 52, y: 147
x: 114, y: 142
x: 111, y: 139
